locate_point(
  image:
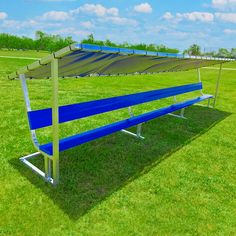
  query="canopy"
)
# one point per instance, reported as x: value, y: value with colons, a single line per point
x: 81, y: 60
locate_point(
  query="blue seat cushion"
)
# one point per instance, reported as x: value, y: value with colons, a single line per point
x: 90, y: 135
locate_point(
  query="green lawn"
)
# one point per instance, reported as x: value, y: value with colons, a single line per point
x: 180, y: 180
x: 21, y: 53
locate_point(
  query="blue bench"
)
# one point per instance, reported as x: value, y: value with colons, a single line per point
x: 43, y: 118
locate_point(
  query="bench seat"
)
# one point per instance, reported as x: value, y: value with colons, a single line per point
x: 78, y: 139
x: 43, y: 118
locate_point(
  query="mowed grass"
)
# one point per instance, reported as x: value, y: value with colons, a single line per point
x: 180, y: 180
x: 23, y: 53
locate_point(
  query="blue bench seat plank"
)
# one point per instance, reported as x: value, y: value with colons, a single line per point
x: 90, y: 135
x: 43, y: 118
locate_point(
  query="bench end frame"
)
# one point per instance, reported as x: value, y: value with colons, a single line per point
x: 54, y: 159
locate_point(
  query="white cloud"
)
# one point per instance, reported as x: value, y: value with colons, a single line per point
x: 120, y: 20
x: 72, y: 31
x: 57, y: 0
x: 27, y: 27
x: 97, y: 9
x: 230, y: 31
x: 56, y: 16
x: 224, y: 4
x: 167, y: 16
x: 103, y: 14
x: 196, y: 16
x: 227, y: 17
x: 191, y: 16
x: 143, y: 8
x: 3, y: 15
x: 87, y: 24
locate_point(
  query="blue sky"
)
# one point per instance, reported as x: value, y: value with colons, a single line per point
x: 175, y: 23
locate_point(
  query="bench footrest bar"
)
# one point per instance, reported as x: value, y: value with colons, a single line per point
x: 178, y: 116
x: 34, y: 168
x: 131, y: 133
x: 202, y: 105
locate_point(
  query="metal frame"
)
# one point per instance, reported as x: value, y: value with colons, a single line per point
x: 51, y: 163
x: 208, y: 100
x: 217, y: 85
x: 181, y: 115
x: 200, y: 81
x: 216, y: 89
x: 139, y: 127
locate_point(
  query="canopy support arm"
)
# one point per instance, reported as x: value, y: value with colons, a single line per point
x: 139, y: 127
x: 55, y: 120
x: 28, y: 107
x: 217, y: 85
x: 199, y: 78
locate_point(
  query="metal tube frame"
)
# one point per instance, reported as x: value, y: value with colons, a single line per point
x: 54, y: 159
x: 200, y: 81
x: 48, y: 160
x: 139, y: 127
x: 55, y: 119
x: 181, y: 115
x: 217, y: 85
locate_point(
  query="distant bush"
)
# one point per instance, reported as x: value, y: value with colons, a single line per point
x: 43, y: 41
x: 221, y: 52
x: 140, y: 46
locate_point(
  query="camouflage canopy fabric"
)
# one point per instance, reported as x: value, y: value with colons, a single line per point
x: 92, y: 60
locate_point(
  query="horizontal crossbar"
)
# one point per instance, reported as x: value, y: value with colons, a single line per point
x: 90, y: 135
x: 43, y: 118
x: 34, y: 168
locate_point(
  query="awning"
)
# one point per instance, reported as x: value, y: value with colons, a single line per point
x: 81, y: 60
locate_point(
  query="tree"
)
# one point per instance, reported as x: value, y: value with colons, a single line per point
x: 223, y: 52
x: 193, y: 50
x: 233, y: 52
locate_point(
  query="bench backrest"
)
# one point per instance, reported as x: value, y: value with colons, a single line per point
x: 43, y: 118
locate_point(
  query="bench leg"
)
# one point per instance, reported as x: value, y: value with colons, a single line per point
x: 139, y: 127
x: 47, y: 164
x: 179, y: 116
x: 48, y: 168
x: 208, y: 103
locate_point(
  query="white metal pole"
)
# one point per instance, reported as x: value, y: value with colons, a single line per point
x: 199, y: 78
x: 55, y: 125
x: 25, y: 92
x: 199, y: 75
x: 217, y: 85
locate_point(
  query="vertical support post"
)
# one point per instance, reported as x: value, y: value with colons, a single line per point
x: 130, y: 111
x: 199, y: 78
x: 182, y: 112
x: 208, y: 103
x: 25, y: 92
x: 217, y: 86
x: 175, y: 99
x: 27, y: 105
x: 55, y: 125
x: 47, y: 167
x: 139, y: 130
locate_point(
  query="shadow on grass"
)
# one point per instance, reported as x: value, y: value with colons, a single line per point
x: 93, y: 171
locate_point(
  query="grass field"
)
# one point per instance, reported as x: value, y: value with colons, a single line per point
x: 180, y: 180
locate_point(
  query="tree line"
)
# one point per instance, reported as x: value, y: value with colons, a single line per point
x: 141, y: 46
x: 221, y: 52
x: 42, y: 41
x: 53, y: 43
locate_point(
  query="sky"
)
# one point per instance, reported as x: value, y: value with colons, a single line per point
x: 174, y: 23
